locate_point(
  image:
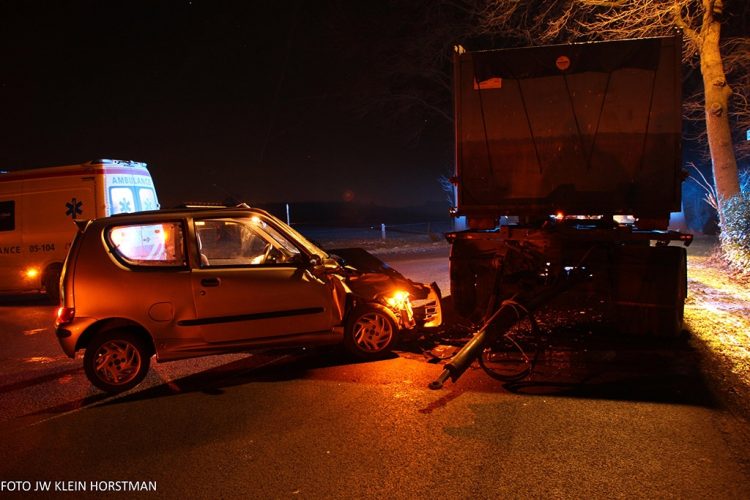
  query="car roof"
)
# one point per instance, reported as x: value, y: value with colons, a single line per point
x: 173, y: 213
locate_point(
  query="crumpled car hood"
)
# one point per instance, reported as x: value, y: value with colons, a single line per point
x: 369, y: 276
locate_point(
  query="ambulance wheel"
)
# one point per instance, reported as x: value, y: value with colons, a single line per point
x: 52, y: 282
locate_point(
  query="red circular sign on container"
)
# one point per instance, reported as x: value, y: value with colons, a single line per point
x: 562, y: 63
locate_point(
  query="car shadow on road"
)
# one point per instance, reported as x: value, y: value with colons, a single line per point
x: 600, y: 366
x: 270, y: 366
x: 31, y: 299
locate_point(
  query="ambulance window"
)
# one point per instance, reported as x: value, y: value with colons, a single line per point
x: 149, y: 244
x: 121, y: 200
x: 147, y: 197
x: 7, y: 215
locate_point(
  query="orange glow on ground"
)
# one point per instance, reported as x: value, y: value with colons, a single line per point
x: 39, y: 359
x: 717, y: 312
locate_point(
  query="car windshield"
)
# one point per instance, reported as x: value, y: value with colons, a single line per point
x: 270, y: 232
x: 297, y: 237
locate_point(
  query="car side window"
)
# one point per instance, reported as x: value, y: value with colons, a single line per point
x: 240, y: 242
x: 149, y: 245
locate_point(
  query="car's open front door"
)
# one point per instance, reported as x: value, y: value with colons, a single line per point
x: 250, y: 287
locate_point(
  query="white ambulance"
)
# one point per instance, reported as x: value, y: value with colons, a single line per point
x: 38, y: 207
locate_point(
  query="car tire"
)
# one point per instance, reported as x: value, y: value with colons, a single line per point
x: 370, y: 332
x: 116, y: 361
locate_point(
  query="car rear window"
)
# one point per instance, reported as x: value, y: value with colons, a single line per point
x: 152, y: 245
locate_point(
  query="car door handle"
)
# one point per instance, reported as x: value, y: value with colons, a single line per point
x: 210, y: 282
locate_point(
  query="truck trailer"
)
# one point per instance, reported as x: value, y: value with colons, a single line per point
x: 568, y: 162
x: 568, y: 165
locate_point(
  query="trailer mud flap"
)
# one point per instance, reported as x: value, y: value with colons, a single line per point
x: 649, y: 290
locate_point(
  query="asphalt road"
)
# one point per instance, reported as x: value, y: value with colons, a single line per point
x: 601, y: 417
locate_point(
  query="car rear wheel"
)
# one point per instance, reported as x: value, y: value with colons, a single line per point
x: 370, y: 332
x: 116, y: 361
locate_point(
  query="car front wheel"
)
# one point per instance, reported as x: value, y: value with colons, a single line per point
x: 370, y: 332
x: 116, y: 361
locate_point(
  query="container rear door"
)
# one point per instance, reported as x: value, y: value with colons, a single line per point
x: 584, y: 129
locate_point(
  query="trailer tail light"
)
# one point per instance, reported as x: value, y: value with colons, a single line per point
x: 64, y: 315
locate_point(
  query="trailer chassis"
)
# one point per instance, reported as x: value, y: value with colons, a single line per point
x: 500, y: 277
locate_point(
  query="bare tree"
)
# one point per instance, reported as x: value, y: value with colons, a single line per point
x: 553, y: 21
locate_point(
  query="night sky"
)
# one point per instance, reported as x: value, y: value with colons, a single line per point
x: 266, y: 101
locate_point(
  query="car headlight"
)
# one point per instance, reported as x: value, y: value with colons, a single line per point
x: 398, y: 300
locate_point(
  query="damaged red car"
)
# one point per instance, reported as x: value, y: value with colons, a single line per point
x: 190, y: 282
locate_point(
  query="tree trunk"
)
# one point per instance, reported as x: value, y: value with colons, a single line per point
x: 717, y: 93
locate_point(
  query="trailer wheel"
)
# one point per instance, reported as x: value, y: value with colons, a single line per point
x: 472, y: 279
x: 463, y: 287
x: 650, y: 290
x: 463, y: 277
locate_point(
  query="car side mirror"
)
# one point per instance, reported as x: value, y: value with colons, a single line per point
x: 314, y: 261
x: 323, y: 265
